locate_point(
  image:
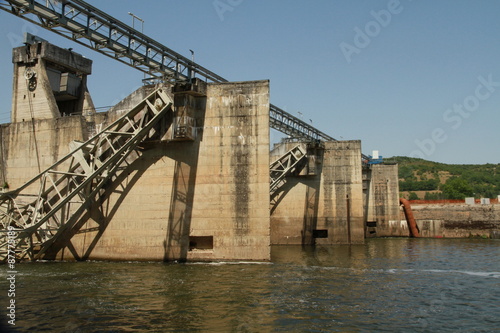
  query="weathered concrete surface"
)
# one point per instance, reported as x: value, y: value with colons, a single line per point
x: 204, y: 199
x: 29, y: 147
x: 233, y: 186
x: 326, y: 208
x: 49, y: 85
x: 381, y: 201
x: 450, y: 220
x: 457, y: 220
x: 201, y: 200
x: 49, y: 82
x: 56, y: 55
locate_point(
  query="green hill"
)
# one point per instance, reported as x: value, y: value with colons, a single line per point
x: 431, y: 180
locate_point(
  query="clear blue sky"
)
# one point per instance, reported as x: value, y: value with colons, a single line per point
x: 406, y: 77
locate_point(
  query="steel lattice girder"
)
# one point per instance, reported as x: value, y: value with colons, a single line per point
x: 89, y: 26
x: 293, y: 126
x: 41, y: 213
x: 285, y: 165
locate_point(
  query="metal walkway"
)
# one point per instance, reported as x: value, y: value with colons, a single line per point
x: 51, y: 203
x: 287, y: 164
x: 91, y: 27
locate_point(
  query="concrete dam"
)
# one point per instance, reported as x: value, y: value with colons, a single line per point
x: 182, y: 168
x: 199, y: 183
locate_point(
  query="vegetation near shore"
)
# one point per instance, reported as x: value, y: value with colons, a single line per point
x: 427, y: 180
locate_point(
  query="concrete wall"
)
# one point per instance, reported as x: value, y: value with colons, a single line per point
x: 41, y: 126
x: 35, y: 99
x: 458, y: 220
x: 29, y: 147
x: 37, y: 83
x: 204, y: 200
x: 449, y: 220
x: 3, y: 158
x: 381, y: 195
x: 328, y: 204
x: 233, y: 186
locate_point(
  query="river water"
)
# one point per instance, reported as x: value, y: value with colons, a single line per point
x: 386, y: 285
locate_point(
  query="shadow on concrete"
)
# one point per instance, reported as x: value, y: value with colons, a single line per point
x: 101, y: 212
x: 366, y: 204
x: 185, y: 154
x: 311, y: 204
x: 311, y: 207
x: 176, y: 244
x: 280, y: 193
x: 99, y: 209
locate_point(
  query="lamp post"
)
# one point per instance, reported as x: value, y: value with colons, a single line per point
x: 192, y: 59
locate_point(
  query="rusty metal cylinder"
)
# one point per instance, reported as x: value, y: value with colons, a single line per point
x: 412, y: 224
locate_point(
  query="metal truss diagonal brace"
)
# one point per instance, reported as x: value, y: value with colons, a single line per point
x: 52, y: 202
x: 285, y: 165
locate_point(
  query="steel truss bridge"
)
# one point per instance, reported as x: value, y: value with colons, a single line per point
x: 93, y: 28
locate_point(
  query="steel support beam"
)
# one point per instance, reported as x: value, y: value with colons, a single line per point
x: 286, y: 123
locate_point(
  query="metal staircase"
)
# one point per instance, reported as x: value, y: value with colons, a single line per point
x: 290, y: 162
x: 50, y: 204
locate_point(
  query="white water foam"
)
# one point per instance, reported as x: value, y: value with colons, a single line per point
x: 495, y: 275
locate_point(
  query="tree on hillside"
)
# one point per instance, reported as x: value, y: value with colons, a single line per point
x: 457, y: 188
x: 421, y: 175
x: 433, y: 196
x: 413, y: 196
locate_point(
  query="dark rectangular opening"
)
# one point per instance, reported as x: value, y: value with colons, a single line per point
x: 372, y: 224
x: 201, y: 242
x: 320, y: 233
